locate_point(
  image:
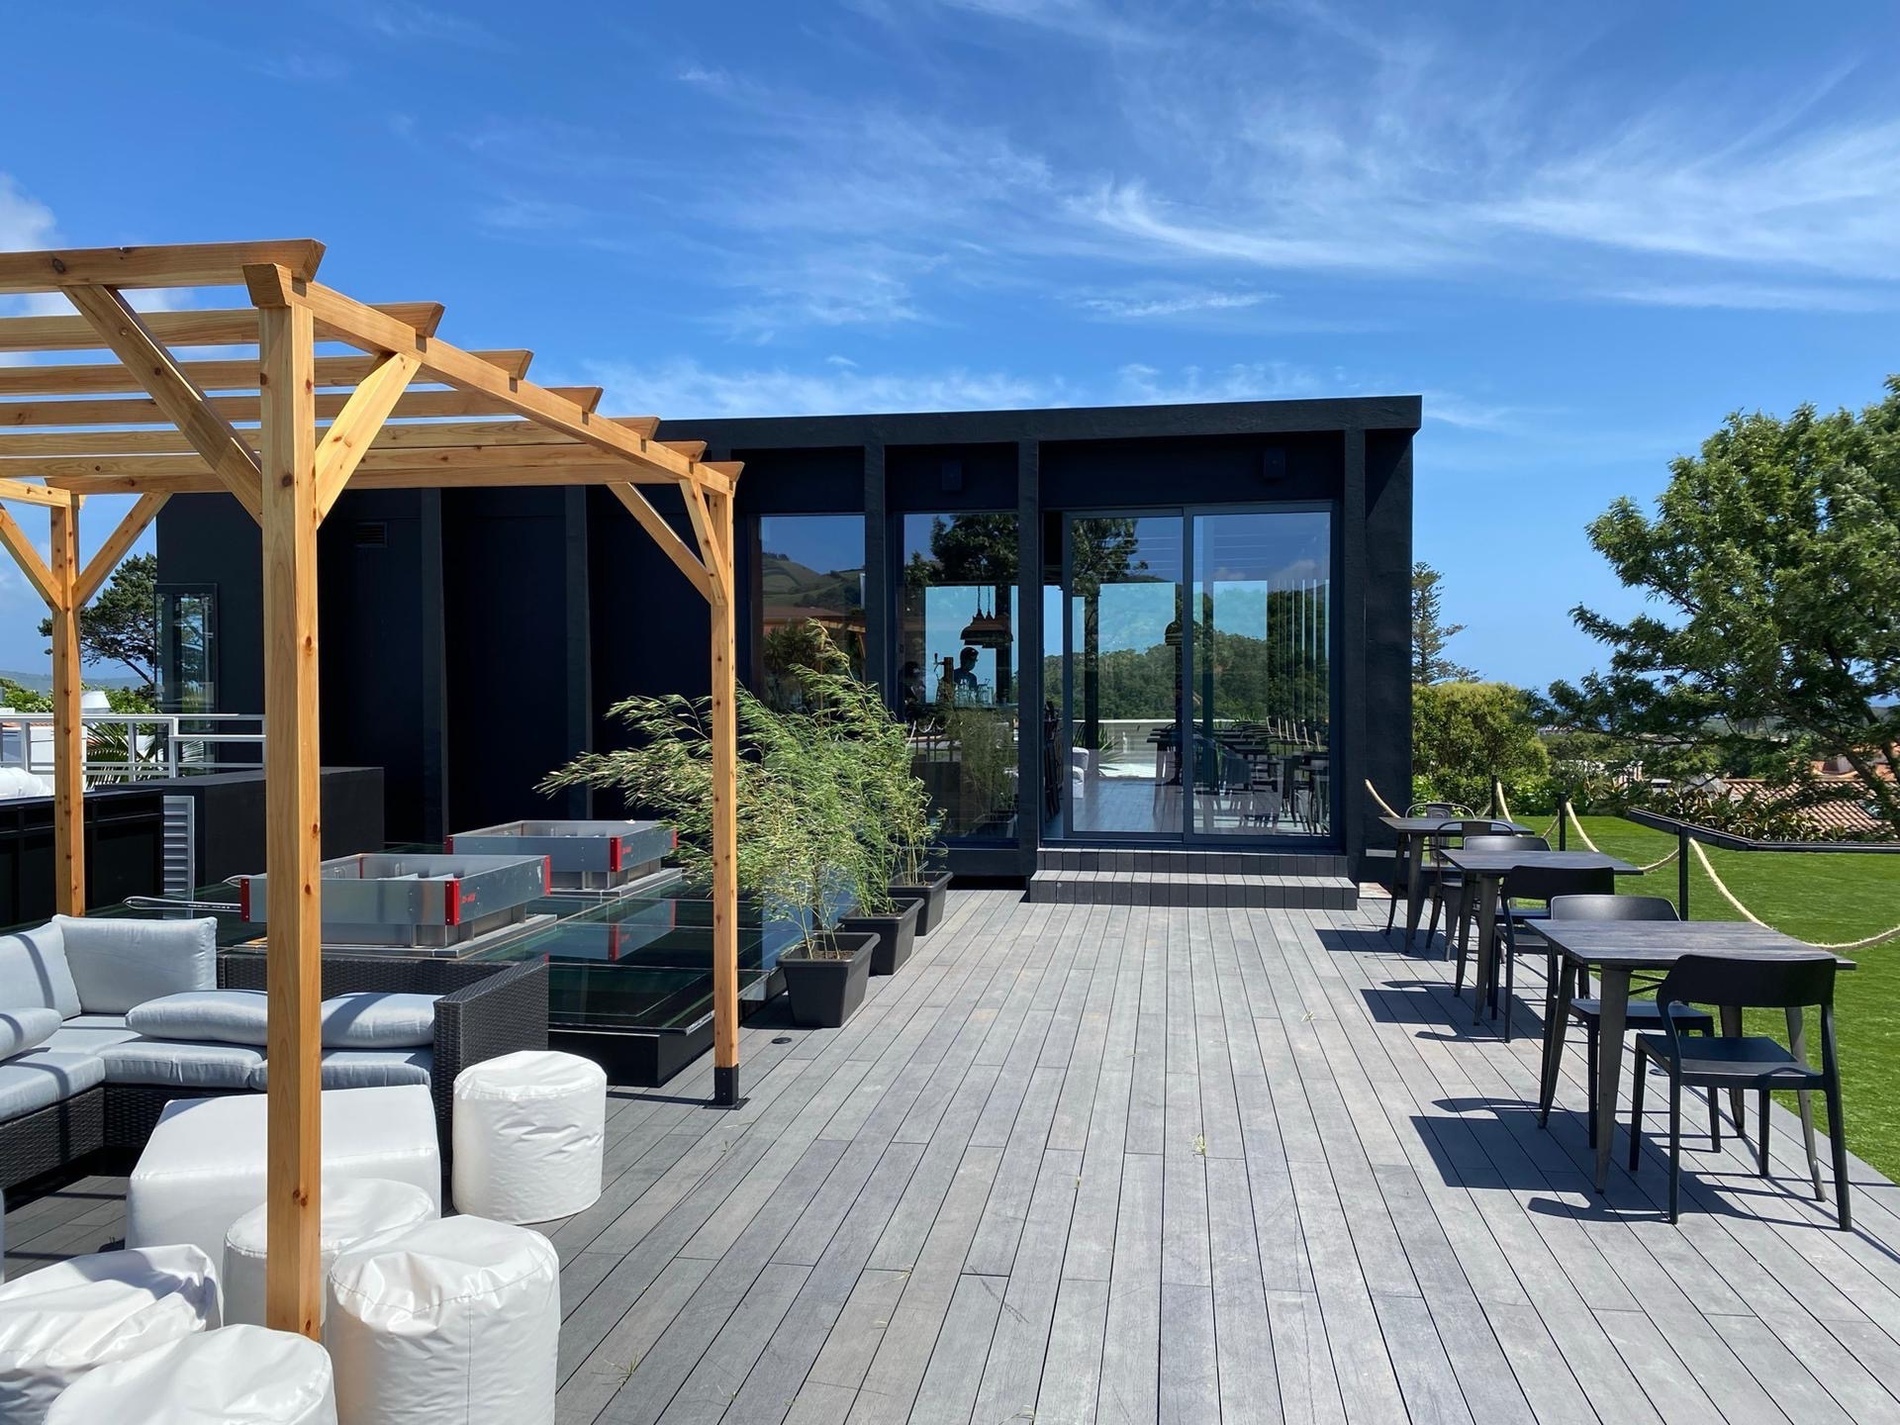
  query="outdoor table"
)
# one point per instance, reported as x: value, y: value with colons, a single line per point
x: 1486, y: 873
x: 1613, y: 950
x: 1413, y: 833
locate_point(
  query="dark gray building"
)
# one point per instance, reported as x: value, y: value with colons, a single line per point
x: 1158, y: 626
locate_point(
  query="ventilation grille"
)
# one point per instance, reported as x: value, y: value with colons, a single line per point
x: 181, y: 846
x: 370, y: 534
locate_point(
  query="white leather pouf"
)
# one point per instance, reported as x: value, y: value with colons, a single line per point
x: 242, y: 1375
x: 60, y: 1322
x: 203, y: 1167
x: 451, y: 1322
x: 529, y: 1133
x: 353, y: 1208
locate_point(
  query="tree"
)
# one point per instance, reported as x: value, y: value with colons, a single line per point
x: 1430, y: 634
x: 1775, y: 557
x: 1464, y: 734
x: 121, y: 624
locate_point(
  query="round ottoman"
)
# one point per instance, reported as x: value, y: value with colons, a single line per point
x: 450, y: 1322
x: 60, y: 1322
x: 529, y: 1130
x: 242, y: 1375
x: 352, y: 1210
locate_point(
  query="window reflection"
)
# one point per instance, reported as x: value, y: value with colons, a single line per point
x: 811, y: 572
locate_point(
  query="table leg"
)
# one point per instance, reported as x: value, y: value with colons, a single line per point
x: 1487, y: 946
x: 1731, y: 1028
x: 1554, y: 1030
x: 1414, y: 887
x: 1613, y: 990
x: 1798, y: 1046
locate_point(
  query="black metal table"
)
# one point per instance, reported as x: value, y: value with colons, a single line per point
x: 1414, y: 833
x: 1614, y: 950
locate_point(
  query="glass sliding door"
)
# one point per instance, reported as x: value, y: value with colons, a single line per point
x: 811, y: 572
x: 1260, y: 674
x: 1123, y: 674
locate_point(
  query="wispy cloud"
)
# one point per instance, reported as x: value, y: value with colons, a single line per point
x: 686, y: 389
x: 1151, y: 302
x: 409, y: 23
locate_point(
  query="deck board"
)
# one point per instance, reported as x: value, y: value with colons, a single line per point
x: 1129, y: 1162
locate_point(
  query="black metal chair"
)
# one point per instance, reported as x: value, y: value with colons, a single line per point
x: 1643, y: 1014
x: 1447, y: 881
x: 1398, y: 888
x: 1743, y: 1061
x: 1467, y: 908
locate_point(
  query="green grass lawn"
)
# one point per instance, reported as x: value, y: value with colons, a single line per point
x: 1818, y: 896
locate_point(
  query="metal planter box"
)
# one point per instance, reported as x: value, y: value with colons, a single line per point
x: 584, y: 855
x: 429, y: 902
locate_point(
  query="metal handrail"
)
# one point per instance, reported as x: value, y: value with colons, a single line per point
x: 158, y: 745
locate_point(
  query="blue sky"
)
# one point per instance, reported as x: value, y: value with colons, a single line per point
x: 1583, y: 235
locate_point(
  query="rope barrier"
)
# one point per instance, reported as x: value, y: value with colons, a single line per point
x: 1384, y: 805
x: 1577, y: 826
x: 1708, y: 867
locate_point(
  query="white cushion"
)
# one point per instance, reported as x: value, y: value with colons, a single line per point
x: 353, y: 1209
x: 43, y: 1077
x: 363, y: 1068
x: 117, y: 964
x: 452, y: 1322
x: 34, y: 973
x: 218, y: 1016
x: 64, y: 1320
x: 203, y: 1167
x: 175, y: 1064
x: 378, y: 1021
x: 240, y: 1375
x: 24, y: 1029
x: 530, y: 1129
x: 89, y: 1033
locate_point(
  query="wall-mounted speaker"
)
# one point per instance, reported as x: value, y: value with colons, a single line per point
x: 1273, y: 464
x: 952, y: 476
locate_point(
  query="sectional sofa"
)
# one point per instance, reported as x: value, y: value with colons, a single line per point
x: 104, y: 1021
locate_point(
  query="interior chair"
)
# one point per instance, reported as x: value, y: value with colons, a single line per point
x: 1398, y: 888
x: 1743, y: 1061
x: 1643, y: 1015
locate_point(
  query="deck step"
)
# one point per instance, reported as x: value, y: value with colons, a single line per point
x: 1139, y: 861
x: 1238, y: 890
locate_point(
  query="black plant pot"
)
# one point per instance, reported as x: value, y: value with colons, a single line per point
x: 896, y: 935
x: 827, y: 991
x: 930, y: 895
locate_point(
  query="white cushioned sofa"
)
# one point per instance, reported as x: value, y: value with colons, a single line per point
x: 104, y: 1020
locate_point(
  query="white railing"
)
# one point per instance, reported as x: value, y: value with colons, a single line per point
x: 137, y: 747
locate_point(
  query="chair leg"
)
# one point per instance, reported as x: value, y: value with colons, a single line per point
x: 1762, y: 1132
x: 1675, y: 1147
x: 1510, y: 987
x: 1837, y: 1144
x: 1715, y: 1114
x: 1392, y: 905
x: 1590, y: 1061
x: 1438, y: 904
x: 1636, y: 1105
x: 1464, y: 939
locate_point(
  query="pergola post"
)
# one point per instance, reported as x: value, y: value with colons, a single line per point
x: 717, y: 554
x: 293, y: 830
x: 69, y: 751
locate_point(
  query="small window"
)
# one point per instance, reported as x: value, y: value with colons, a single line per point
x: 188, y: 648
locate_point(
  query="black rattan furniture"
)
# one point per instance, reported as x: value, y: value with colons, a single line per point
x: 486, y: 1010
x: 1744, y: 1061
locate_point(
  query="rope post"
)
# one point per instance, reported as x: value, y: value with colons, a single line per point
x: 1682, y: 874
x: 1563, y: 821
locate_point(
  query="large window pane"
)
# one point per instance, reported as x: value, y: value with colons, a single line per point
x: 811, y: 571
x: 957, y: 665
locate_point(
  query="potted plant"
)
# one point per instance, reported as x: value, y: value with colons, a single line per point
x: 798, y: 854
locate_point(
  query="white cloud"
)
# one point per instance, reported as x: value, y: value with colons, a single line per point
x: 406, y: 22
x: 1150, y: 302
x: 685, y: 389
x: 25, y: 222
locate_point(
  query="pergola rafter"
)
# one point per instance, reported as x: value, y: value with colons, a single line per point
x: 148, y: 423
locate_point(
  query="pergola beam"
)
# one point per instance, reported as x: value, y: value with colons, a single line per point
x: 107, y: 378
x: 132, y: 410
x: 422, y: 435
x: 184, y: 404
x: 661, y: 533
x: 347, y: 441
x: 211, y: 264
x: 235, y: 326
x: 99, y: 568
x: 28, y: 558
x: 69, y: 746
x: 32, y: 494
x: 385, y: 469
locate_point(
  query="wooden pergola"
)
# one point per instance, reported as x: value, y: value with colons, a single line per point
x: 285, y: 433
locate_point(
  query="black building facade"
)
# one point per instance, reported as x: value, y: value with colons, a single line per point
x: 1165, y: 625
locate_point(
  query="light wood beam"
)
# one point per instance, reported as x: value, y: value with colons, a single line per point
x: 417, y: 436
x: 184, y: 405
x: 99, y: 568
x: 236, y: 326
x: 131, y: 410
x: 187, y: 474
x: 711, y: 553
x: 211, y: 264
x: 32, y: 494
x: 725, y: 813
x: 103, y: 378
x: 69, y: 739
x: 372, y: 331
x: 28, y: 558
x: 671, y: 545
x: 691, y: 449
x: 347, y: 441
x: 293, y: 831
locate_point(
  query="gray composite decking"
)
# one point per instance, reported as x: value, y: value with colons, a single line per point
x: 1126, y: 1163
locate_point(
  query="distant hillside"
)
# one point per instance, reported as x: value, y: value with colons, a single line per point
x: 43, y: 682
